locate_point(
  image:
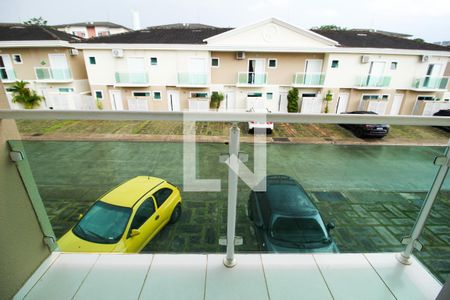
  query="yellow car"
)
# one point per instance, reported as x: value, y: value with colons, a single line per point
x: 126, y: 218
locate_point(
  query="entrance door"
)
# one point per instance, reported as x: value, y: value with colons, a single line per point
x: 256, y: 69
x: 197, y: 71
x: 173, y: 100
x: 342, y: 103
x: 116, y: 100
x: 136, y: 69
x: 375, y: 72
x: 228, y: 104
x: 282, y: 102
x: 433, y: 71
x: 311, y: 105
x: 396, y: 104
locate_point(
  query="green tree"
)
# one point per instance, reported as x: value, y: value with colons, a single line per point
x: 36, y: 21
x: 419, y: 40
x: 26, y: 96
x: 292, y: 100
x: 329, y: 27
x: 216, y: 98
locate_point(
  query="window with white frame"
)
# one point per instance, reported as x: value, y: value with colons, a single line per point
x: 153, y: 61
x: 335, y: 64
x: 269, y: 96
x: 370, y: 97
x: 254, y: 94
x: 157, y: 95
x: 65, y: 90
x: 79, y: 33
x: 17, y: 58
x: 99, y: 94
x: 215, y: 62
x: 272, y: 63
x: 103, y: 33
x: 141, y: 94
x: 92, y: 60
x: 394, y: 65
x: 200, y: 95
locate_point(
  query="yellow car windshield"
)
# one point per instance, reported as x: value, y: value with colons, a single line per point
x: 104, y: 223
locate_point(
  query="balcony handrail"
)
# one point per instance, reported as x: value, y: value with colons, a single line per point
x: 52, y: 73
x: 373, y: 81
x: 431, y: 82
x: 127, y: 77
x: 252, y: 78
x: 309, y: 78
x: 192, y: 78
x: 223, y: 116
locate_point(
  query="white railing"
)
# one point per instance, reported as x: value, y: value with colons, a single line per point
x: 224, y: 117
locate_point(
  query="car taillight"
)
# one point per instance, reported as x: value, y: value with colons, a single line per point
x: 270, y: 123
x: 252, y: 122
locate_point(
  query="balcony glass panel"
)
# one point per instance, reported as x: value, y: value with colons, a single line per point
x: 430, y: 83
x: 192, y: 79
x: 252, y: 78
x: 371, y: 192
x: 131, y: 78
x: 309, y: 79
x: 373, y: 81
x: 53, y: 74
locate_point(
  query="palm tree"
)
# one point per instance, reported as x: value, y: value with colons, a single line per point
x: 24, y: 95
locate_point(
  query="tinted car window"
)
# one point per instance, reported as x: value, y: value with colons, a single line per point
x: 288, y: 197
x: 103, y: 223
x: 301, y: 230
x: 162, y: 195
x: 144, y: 212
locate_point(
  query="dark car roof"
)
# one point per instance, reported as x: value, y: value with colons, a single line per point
x: 442, y: 112
x: 285, y: 196
x: 362, y: 112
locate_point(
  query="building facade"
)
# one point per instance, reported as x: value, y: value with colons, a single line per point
x: 48, y: 62
x: 179, y: 66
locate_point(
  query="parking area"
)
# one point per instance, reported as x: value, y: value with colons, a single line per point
x: 372, y: 193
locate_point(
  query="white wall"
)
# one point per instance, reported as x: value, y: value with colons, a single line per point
x: 350, y: 67
x: 164, y: 73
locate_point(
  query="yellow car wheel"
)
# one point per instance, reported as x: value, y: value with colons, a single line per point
x: 176, y: 213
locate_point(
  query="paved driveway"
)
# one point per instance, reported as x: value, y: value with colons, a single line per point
x: 372, y: 193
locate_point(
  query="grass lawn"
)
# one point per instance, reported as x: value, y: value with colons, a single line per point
x: 167, y: 128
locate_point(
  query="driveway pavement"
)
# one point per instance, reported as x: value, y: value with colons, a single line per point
x: 372, y: 193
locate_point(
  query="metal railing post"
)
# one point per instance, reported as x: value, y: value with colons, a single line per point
x: 233, y: 170
x: 412, y: 241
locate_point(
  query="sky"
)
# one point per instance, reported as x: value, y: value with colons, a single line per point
x: 429, y: 20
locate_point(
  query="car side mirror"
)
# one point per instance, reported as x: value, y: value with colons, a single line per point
x: 135, y: 232
x: 80, y: 216
x: 330, y: 226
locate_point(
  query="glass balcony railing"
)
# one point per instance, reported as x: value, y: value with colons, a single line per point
x: 131, y: 78
x: 53, y: 74
x: 428, y: 82
x: 373, y: 81
x: 192, y: 78
x: 7, y: 74
x: 252, y: 78
x: 308, y: 79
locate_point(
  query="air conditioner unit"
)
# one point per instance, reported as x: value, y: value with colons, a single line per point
x: 240, y: 55
x: 73, y: 51
x: 117, y: 52
x: 365, y: 59
x: 425, y: 58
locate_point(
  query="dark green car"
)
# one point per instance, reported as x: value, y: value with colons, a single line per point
x: 286, y: 220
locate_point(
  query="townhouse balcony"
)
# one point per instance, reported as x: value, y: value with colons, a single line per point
x: 126, y: 79
x: 372, y: 209
x: 7, y: 75
x: 53, y: 75
x: 430, y: 83
x: 251, y: 79
x: 370, y: 82
x: 308, y: 80
x: 186, y: 79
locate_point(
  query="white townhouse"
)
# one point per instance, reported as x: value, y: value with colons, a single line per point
x: 178, y: 66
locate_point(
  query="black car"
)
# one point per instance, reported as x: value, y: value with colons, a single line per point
x: 286, y: 220
x: 366, y: 130
x: 443, y: 113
